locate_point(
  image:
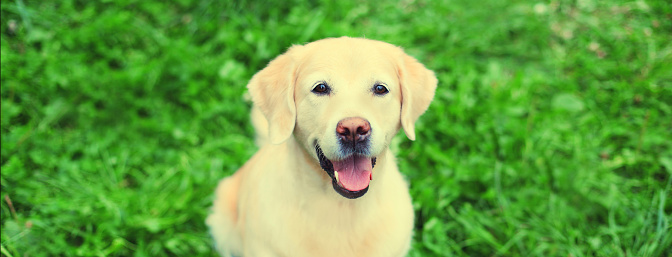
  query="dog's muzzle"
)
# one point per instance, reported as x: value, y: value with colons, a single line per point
x: 350, y: 177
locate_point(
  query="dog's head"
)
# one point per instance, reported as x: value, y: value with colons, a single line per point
x: 343, y: 99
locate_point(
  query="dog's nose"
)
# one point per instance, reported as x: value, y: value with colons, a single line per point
x: 353, y: 129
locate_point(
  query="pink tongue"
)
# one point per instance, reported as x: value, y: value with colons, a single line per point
x: 354, y: 173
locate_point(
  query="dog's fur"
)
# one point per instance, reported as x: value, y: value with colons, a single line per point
x: 281, y: 202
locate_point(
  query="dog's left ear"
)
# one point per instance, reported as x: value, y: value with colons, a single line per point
x: 417, y: 91
x: 272, y: 90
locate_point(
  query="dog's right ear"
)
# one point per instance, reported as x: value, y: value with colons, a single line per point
x: 272, y: 90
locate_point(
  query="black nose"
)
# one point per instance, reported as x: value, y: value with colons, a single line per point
x: 353, y: 129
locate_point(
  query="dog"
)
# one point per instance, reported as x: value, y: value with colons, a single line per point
x: 324, y: 182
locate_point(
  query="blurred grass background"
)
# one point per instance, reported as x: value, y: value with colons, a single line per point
x: 550, y: 133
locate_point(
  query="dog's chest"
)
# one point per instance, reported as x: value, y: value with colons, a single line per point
x: 315, y: 230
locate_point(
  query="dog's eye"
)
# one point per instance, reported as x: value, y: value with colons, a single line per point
x: 321, y: 88
x: 380, y: 89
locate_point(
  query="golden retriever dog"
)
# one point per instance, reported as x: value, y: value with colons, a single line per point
x: 324, y: 182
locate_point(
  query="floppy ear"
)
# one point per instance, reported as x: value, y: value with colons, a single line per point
x: 272, y: 90
x: 417, y: 91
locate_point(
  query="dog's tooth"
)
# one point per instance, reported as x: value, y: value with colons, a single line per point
x: 336, y: 175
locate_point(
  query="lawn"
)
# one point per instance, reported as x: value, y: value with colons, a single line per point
x: 550, y: 133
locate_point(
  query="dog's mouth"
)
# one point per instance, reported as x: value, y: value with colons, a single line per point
x: 350, y: 176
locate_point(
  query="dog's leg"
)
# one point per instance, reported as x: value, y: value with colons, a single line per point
x: 222, y: 220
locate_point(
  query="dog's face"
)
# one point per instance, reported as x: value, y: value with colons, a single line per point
x: 343, y: 99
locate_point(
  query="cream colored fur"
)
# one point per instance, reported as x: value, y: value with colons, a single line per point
x: 281, y: 203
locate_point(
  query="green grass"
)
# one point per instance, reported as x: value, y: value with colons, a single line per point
x: 550, y: 133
